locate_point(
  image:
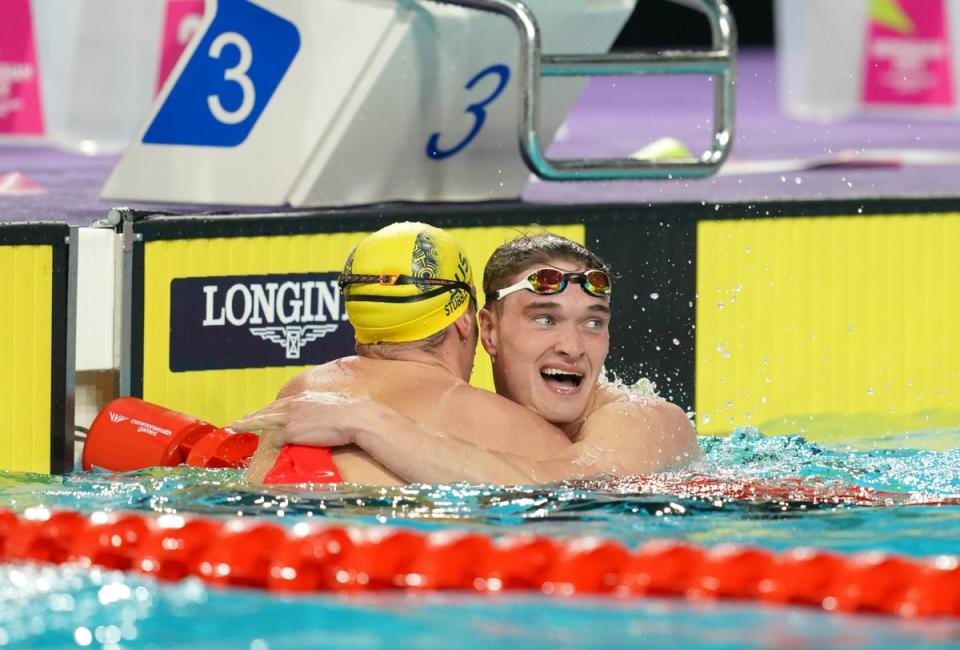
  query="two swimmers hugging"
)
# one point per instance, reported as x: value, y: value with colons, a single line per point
x: 402, y: 409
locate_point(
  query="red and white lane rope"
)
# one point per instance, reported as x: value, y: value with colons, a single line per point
x: 691, y: 485
x: 316, y: 558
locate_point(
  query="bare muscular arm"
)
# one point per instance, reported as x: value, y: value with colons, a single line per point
x: 620, y: 437
x: 439, y: 403
x: 269, y: 423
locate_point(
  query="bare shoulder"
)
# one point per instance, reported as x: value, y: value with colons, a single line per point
x: 651, y: 429
x: 320, y: 377
x: 607, y: 393
x: 491, y: 405
x: 296, y: 385
x: 498, y: 423
x: 615, y: 402
x: 648, y: 413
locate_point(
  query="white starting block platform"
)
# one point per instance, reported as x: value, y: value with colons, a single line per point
x: 307, y: 103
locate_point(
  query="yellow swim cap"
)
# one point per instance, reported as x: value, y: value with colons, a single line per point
x: 405, y: 282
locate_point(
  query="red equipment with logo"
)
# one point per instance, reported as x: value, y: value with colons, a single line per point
x: 131, y: 434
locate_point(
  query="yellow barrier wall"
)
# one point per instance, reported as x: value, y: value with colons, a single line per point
x: 221, y: 396
x: 828, y: 327
x: 25, y: 359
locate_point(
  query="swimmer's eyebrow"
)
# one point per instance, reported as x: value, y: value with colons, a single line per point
x: 542, y: 304
x: 599, y: 307
x: 552, y: 304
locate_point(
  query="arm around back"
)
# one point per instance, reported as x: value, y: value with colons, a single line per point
x: 619, y: 438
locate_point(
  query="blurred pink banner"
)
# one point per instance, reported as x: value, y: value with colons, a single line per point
x: 908, y: 55
x: 181, y: 23
x: 20, y: 110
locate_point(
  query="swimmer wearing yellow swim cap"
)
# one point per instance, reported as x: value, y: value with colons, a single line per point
x: 405, y: 283
x: 404, y: 410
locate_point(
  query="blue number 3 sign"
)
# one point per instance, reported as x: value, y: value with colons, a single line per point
x: 479, y: 111
x: 229, y: 80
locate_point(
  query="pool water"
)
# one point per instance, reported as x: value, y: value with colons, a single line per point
x: 772, y: 492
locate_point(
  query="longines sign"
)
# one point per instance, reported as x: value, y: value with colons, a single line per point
x: 256, y: 321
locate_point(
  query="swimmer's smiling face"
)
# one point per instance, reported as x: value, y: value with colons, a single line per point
x: 548, y: 350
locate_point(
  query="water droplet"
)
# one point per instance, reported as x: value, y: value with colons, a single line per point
x: 676, y: 341
x: 654, y: 296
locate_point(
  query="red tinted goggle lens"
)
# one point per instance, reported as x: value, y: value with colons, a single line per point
x: 547, y: 281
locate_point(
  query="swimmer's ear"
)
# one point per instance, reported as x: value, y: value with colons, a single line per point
x: 465, y: 324
x: 488, y: 331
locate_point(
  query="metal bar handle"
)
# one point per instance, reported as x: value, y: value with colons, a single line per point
x: 533, y: 65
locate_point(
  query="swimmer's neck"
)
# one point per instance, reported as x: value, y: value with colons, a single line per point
x: 445, y: 363
x: 599, y: 398
x: 571, y: 429
x: 440, y: 363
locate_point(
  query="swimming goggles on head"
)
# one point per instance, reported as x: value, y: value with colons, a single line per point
x: 392, y: 279
x: 549, y: 281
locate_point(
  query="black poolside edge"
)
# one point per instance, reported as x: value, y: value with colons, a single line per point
x: 38, y: 233
x: 159, y: 225
x: 137, y: 306
x: 61, y: 438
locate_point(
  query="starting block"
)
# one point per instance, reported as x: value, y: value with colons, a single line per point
x: 341, y: 102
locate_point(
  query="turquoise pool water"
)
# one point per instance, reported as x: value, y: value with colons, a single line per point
x: 775, y: 493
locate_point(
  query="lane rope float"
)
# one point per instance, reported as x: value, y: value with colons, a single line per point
x: 317, y: 558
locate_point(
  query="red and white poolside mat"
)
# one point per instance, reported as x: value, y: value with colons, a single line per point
x: 15, y: 183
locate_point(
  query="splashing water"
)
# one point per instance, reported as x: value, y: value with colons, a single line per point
x: 775, y: 491
x: 772, y: 492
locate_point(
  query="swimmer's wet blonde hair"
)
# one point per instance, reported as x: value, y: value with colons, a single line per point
x: 540, y: 247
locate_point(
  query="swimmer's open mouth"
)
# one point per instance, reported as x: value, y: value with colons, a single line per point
x: 561, y: 377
